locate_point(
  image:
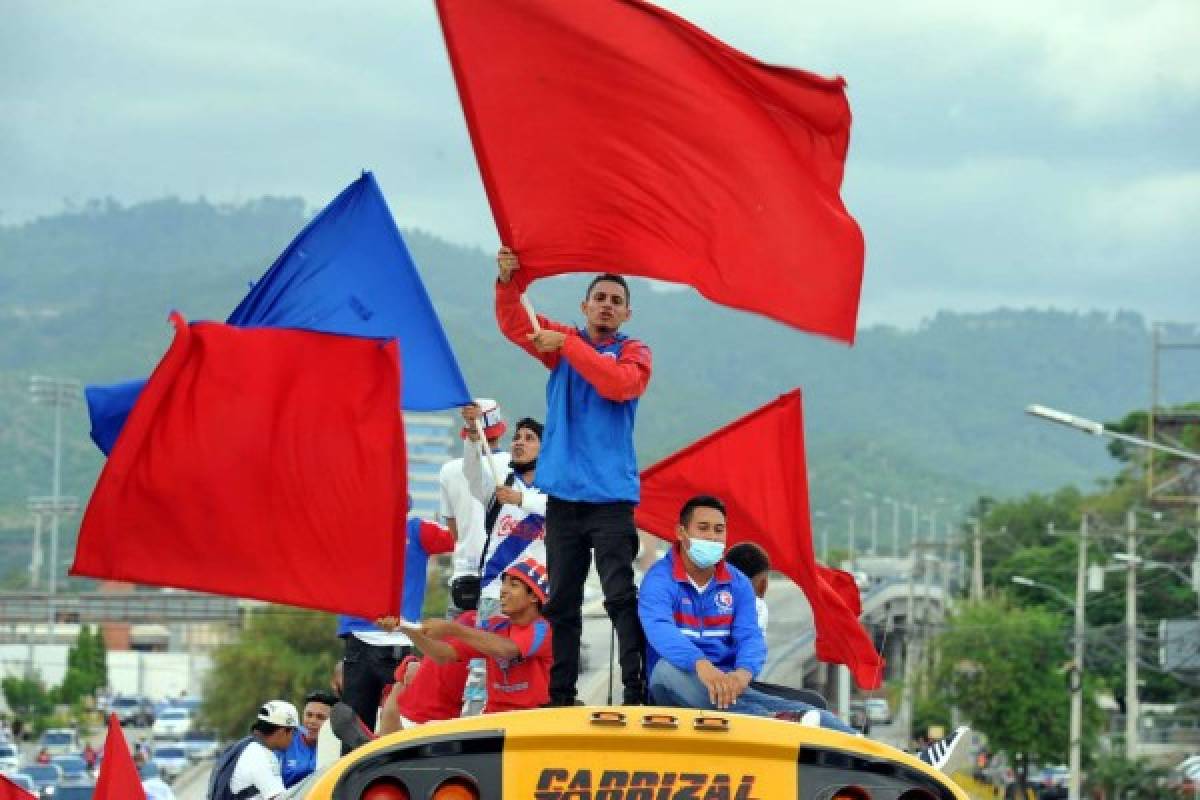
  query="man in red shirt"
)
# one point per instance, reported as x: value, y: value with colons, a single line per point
x: 516, y: 644
x: 426, y: 691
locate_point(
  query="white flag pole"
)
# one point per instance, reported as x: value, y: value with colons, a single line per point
x: 533, y: 320
x: 487, y: 452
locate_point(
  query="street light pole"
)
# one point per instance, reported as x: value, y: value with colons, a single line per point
x: 55, y: 392
x: 977, y: 565
x: 895, y: 526
x: 1074, y: 788
x: 1131, y: 664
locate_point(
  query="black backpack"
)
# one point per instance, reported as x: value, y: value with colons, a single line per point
x: 222, y: 774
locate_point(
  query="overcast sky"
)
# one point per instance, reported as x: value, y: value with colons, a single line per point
x: 1019, y: 153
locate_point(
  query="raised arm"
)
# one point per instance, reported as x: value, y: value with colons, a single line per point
x: 512, y: 316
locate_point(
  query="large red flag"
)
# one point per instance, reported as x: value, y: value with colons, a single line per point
x: 119, y: 779
x: 259, y: 462
x: 614, y: 136
x: 10, y: 791
x: 756, y: 466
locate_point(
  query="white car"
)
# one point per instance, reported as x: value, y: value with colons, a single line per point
x: 10, y: 758
x: 170, y: 760
x: 172, y: 724
x: 878, y: 710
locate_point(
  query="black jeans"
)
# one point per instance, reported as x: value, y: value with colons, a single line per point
x: 365, y: 671
x: 573, y: 531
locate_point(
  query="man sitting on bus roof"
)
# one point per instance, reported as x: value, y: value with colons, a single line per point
x: 705, y: 643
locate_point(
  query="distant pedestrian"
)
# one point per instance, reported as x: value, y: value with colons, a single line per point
x: 249, y: 769
x: 300, y: 758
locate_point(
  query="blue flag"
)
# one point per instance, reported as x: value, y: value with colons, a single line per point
x: 348, y: 272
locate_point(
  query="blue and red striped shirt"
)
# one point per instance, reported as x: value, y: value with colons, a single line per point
x: 684, y: 625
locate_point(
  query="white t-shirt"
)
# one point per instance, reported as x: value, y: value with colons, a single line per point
x: 156, y: 789
x: 526, y: 521
x: 457, y: 503
x: 257, y: 766
x: 760, y: 606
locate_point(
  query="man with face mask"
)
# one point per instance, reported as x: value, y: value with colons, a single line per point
x: 704, y: 642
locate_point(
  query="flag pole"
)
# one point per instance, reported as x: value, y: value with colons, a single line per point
x: 533, y: 320
x: 487, y: 451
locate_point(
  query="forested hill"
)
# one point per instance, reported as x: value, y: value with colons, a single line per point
x: 924, y: 413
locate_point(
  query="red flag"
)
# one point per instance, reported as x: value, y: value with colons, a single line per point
x: 118, y: 779
x: 293, y: 491
x: 10, y: 791
x: 614, y: 136
x: 756, y: 466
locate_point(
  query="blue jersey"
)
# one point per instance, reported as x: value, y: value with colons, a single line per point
x: 298, y: 761
x: 684, y: 625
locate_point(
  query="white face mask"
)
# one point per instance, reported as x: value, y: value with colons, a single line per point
x: 705, y: 553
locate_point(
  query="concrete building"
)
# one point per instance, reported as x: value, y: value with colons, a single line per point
x: 431, y: 441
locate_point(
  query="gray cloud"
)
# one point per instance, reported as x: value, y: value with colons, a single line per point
x: 1013, y: 154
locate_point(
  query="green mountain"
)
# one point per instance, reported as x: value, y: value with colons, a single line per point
x: 934, y: 412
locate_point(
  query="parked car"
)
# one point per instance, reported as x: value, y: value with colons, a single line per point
x: 1051, y: 783
x: 78, y: 790
x: 878, y: 710
x: 10, y: 758
x: 46, y: 777
x: 200, y: 744
x: 134, y: 711
x: 172, y: 724
x: 60, y: 741
x: 171, y: 761
x: 73, y: 767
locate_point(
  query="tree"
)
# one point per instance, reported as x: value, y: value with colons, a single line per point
x: 282, y: 654
x: 86, y: 667
x: 1002, y: 667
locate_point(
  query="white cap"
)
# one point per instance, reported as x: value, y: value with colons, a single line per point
x: 279, y: 712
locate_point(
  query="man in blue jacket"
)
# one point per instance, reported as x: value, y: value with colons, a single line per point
x: 705, y: 643
x: 587, y: 466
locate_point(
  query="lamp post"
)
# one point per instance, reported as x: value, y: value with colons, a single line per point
x: 1075, y: 735
x: 57, y: 393
x: 849, y: 504
x: 895, y: 525
x: 1098, y: 429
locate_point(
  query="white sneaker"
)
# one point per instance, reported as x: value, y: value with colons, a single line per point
x: 939, y: 754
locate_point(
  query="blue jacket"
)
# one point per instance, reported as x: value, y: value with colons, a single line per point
x: 587, y: 454
x: 298, y: 761
x: 683, y: 625
x: 591, y: 401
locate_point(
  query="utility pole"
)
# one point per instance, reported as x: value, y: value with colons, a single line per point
x: 895, y: 528
x: 35, y: 557
x: 874, y: 529
x: 977, y: 565
x: 1074, y: 787
x: 1131, y: 664
x: 56, y: 392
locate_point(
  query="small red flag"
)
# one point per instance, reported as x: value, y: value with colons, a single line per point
x: 259, y: 462
x: 118, y: 779
x: 756, y: 466
x: 10, y: 791
x: 615, y: 136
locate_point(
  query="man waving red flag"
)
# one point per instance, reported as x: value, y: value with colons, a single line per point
x: 613, y: 136
x: 756, y: 464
